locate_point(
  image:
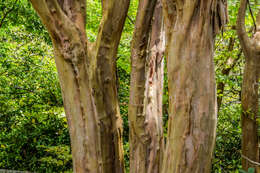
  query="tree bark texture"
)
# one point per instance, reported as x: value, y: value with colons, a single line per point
x: 190, y: 27
x: 146, y: 90
x: 250, y: 105
x: 88, y: 81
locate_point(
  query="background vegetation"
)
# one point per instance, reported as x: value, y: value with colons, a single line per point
x: 33, y: 128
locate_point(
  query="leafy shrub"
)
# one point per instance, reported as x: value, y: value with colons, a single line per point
x: 33, y: 130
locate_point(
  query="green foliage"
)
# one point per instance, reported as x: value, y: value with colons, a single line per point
x: 33, y: 130
x: 20, y: 13
x: 227, y: 156
x: 57, y: 159
x: 250, y: 170
x: 36, y: 142
x: 94, y: 15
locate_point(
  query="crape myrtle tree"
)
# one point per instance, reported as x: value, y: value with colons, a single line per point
x: 88, y: 81
x: 249, y: 100
x: 191, y: 26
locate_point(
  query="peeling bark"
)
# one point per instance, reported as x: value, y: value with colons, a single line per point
x: 87, y: 79
x: 145, y: 107
x: 250, y: 105
x: 192, y: 25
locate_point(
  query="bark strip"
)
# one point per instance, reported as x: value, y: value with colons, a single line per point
x: 145, y: 107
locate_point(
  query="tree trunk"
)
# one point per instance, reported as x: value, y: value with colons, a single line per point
x: 145, y: 108
x: 87, y: 77
x: 250, y: 106
x: 191, y: 81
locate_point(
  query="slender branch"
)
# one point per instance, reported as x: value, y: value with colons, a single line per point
x: 251, y: 161
x: 131, y: 20
x: 251, y: 13
x: 218, y: 43
x: 5, y: 15
x: 241, y: 29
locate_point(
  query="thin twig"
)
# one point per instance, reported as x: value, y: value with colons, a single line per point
x: 251, y: 161
x: 251, y: 13
x: 130, y: 20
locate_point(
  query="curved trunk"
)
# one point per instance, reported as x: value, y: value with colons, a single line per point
x: 249, y: 98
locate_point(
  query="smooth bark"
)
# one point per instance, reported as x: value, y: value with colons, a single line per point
x: 250, y: 105
x: 87, y: 77
x: 145, y: 107
x: 191, y: 27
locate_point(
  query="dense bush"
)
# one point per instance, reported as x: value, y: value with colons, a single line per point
x: 227, y: 156
x: 33, y: 129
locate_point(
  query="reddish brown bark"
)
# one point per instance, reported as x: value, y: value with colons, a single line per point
x: 88, y: 82
x: 250, y: 106
x: 191, y: 27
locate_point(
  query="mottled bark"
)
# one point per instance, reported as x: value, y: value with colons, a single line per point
x: 250, y: 105
x: 191, y: 80
x: 145, y: 107
x: 88, y: 82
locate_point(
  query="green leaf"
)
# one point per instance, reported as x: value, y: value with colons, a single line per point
x: 251, y: 170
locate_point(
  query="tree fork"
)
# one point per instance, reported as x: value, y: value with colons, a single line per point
x: 88, y: 86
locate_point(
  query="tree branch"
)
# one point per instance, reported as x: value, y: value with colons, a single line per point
x: 114, y: 13
x: 251, y: 13
x: 75, y: 11
x: 241, y: 29
x: 131, y: 20
x: 61, y: 14
x: 66, y: 32
x: 251, y: 161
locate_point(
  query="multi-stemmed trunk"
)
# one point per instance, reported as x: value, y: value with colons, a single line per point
x: 145, y: 108
x: 190, y: 27
x: 250, y: 106
x: 88, y: 82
